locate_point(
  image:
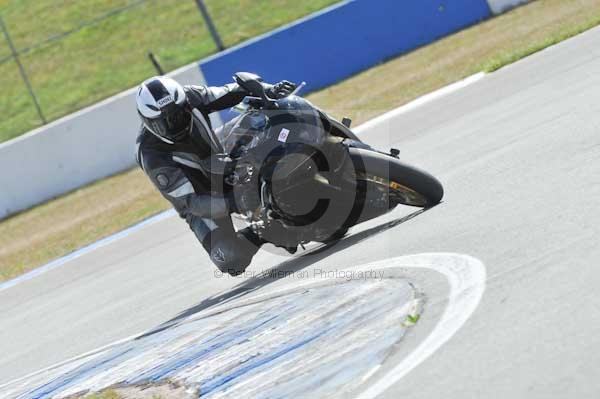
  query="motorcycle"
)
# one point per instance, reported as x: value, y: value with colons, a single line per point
x: 295, y: 175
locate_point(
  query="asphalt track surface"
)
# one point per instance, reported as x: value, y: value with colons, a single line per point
x: 518, y: 153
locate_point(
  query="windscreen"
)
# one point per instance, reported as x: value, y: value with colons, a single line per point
x: 295, y: 120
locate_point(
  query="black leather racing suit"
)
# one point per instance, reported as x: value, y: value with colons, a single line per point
x: 179, y: 172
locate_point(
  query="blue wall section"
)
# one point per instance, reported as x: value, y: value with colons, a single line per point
x: 343, y: 40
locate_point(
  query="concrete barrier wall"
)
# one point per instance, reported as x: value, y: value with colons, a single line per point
x: 500, y: 6
x: 343, y: 40
x: 73, y: 151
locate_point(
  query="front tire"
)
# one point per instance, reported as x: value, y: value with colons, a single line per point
x: 405, y: 184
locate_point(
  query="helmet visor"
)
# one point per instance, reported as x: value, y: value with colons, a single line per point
x: 173, y: 125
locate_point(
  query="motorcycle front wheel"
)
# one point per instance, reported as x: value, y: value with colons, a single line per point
x: 403, y: 183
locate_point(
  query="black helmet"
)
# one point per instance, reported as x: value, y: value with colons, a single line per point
x: 162, y: 105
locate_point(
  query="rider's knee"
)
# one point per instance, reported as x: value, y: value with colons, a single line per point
x: 230, y: 260
x: 231, y: 252
x: 233, y: 255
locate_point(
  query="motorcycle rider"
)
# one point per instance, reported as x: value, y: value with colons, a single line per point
x: 174, y: 153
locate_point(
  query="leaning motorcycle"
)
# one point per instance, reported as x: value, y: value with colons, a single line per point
x: 295, y: 175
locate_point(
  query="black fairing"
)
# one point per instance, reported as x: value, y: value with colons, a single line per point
x: 296, y: 155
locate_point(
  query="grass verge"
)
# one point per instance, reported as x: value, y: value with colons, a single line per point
x: 509, y: 57
x: 58, y: 227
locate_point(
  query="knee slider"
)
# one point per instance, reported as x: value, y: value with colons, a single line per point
x: 229, y: 259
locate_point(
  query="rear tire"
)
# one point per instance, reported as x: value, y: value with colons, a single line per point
x: 407, y: 185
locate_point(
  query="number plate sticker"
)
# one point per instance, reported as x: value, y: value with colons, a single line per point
x: 283, y: 135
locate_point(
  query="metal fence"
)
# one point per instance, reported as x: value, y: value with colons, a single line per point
x: 15, y: 55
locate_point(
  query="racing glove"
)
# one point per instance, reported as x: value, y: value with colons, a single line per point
x: 280, y: 90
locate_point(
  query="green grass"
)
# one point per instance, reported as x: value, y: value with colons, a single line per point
x: 109, y: 56
x: 509, y: 57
